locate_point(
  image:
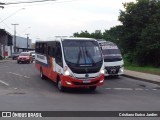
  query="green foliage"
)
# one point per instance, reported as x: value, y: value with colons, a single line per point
x: 141, y: 31
x: 88, y: 35
x: 139, y: 35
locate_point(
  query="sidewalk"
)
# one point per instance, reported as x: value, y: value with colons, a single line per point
x: 142, y: 76
x: 5, y: 60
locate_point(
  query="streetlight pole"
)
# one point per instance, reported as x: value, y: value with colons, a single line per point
x: 27, y: 41
x: 15, y: 36
x: 1, y: 5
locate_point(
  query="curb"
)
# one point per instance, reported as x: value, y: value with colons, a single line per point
x: 141, y: 79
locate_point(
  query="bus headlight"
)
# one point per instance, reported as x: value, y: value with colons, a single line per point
x: 121, y: 70
x: 102, y: 71
x: 101, y: 81
x: 66, y: 73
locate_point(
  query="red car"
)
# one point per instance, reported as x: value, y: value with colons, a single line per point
x: 25, y: 57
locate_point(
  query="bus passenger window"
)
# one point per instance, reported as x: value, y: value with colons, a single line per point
x: 37, y: 48
x: 49, y: 50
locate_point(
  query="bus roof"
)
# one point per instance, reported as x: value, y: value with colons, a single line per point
x: 107, y: 42
x: 69, y: 38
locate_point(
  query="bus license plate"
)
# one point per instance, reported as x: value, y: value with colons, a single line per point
x: 86, y: 81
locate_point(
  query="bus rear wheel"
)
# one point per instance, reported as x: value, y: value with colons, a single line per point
x: 59, y: 85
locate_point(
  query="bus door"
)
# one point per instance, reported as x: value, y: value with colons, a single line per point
x: 51, y: 55
x: 58, y: 59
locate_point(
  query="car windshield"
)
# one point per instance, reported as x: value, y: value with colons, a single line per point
x: 82, y: 52
x: 24, y: 54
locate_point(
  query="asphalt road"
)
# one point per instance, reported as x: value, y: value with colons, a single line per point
x: 21, y: 89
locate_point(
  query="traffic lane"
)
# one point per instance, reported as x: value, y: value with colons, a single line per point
x: 46, y: 99
x: 18, y: 75
x: 130, y: 83
x: 26, y: 76
x: 79, y: 102
x: 37, y: 94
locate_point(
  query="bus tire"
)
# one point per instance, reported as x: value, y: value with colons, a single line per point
x: 59, y: 85
x: 41, y: 74
x: 92, y: 88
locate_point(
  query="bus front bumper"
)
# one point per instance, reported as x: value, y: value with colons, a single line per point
x: 68, y: 81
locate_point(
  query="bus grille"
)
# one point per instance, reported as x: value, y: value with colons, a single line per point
x: 112, y: 69
x: 91, y: 83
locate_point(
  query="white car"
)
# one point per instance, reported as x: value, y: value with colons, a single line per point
x: 33, y: 54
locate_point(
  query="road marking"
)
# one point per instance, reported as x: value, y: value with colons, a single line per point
x: 19, y: 75
x: 130, y: 89
x: 123, y: 88
x: 108, y: 88
x: 4, y: 83
x: 15, y: 74
x: 146, y: 89
x: 154, y: 89
x: 138, y: 89
x: 26, y: 76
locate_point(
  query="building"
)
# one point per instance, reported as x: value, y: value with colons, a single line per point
x: 21, y: 44
x: 5, y: 44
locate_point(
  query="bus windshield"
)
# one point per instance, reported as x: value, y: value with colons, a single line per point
x: 81, y: 52
x: 110, y: 52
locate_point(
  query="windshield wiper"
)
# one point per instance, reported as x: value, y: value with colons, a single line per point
x: 79, y: 55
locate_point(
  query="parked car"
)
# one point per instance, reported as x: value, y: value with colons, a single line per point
x: 25, y: 57
x: 15, y: 55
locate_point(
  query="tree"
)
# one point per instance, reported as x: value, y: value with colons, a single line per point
x: 82, y: 34
x: 88, y: 35
x: 114, y: 34
x: 140, y: 37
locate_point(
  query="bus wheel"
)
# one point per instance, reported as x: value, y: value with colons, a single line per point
x: 59, y: 85
x: 93, y: 88
x: 41, y: 74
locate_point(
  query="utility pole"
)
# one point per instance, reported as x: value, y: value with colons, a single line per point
x: 1, y: 5
x: 15, y: 36
x: 27, y: 41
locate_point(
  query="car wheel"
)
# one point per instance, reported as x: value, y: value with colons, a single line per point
x: 18, y: 62
x: 93, y: 88
x: 1, y: 57
x: 59, y: 85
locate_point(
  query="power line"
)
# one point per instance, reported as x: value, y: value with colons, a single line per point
x: 11, y: 15
x: 6, y: 25
x: 46, y: 3
x: 26, y: 2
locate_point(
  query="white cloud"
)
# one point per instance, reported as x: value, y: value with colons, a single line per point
x: 63, y: 18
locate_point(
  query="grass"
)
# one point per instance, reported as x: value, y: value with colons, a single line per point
x: 144, y: 69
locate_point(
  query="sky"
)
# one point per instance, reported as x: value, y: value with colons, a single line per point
x: 43, y: 21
